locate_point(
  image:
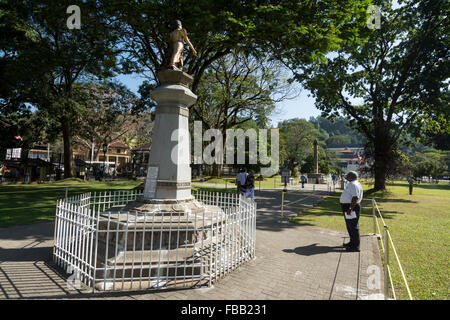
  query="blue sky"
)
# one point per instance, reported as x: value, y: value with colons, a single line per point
x: 300, y: 107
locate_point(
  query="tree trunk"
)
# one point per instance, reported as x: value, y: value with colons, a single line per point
x: 382, y: 157
x: 380, y: 171
x: 68, y: 154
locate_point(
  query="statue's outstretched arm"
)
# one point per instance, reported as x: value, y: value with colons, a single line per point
x: 189, y: 43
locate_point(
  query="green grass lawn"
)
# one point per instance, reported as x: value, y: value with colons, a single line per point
x: 31, y: 203
x: 419, y: 225
x: 268, y: 182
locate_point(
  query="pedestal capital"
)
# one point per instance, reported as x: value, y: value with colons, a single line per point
x: 175, y: 77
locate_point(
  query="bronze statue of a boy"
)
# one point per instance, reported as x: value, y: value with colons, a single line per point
x: 177, y: 39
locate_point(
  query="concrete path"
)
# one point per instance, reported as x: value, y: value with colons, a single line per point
x: 292, y: 262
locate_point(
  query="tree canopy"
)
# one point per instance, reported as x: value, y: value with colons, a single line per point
x: 291, y: 31
x: 396, y: 82
x: 43, y: 61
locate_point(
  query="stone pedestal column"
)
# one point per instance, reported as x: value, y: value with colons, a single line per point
x: 316, y: 158
x: 167, y: 221
x: 315, y: 176
x: 169, y: 173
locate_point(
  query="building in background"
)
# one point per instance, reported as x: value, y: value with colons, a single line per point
x: 350, y: 159
x: 117, y: 156
x: 40, y: 151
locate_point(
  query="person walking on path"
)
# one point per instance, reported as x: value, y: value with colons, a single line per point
x: 411, y: 184
x: 350, y: 203
x: 250, y: 185
x: 303, y: 180
x: 241, y: 178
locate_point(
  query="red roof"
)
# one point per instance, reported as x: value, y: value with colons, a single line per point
x: 117, y: 144
x: 347, y: 150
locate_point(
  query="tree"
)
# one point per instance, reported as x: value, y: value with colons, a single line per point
x: 326, y: 165
x: 296, y: 140
x: 439, y: 140
x: 20, y: 130
x: 340, y: 134
x: 48, y: 59
x: 237, y: 89
x: 399, y: 75
x: 111, y: 112
x: 299, y: 30
x: 429, y: 163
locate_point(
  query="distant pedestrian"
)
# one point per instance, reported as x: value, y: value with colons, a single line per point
x: 241, y: 178
x: 250, y: 186
x: 83, y: 173
x: 303, y: 180
x: 333, y: 178
x: 411, y: 184
x: 16, y: 175
x: 350, y: 203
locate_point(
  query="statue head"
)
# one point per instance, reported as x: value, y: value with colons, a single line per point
x: 177, y: 24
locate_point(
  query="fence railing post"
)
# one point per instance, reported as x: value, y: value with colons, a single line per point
x: 78, y: 238
x: 386, y: 263
x: 282, y: 205
x: 374, y: 217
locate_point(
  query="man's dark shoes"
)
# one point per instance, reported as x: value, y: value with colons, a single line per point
x: 351, y: 249
x: 346, y: 245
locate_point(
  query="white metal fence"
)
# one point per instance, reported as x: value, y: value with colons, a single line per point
x: 121, y: 250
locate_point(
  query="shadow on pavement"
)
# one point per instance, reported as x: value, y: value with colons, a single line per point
x: 26, y: 254
x: 314, y: 249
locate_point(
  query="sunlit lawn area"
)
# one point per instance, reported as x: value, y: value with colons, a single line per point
x: 268, y: 182
x: 420, y: 228
x: 419, y: 224
x: 31, y: 203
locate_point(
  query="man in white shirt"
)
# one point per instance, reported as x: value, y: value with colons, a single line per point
x: 350, y: 204
x: 240, y: 181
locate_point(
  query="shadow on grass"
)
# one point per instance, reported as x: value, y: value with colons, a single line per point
x: 433, y: 186
x: 330, y: 207
x: 395, y: 200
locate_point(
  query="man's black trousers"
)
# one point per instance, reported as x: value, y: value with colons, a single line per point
x: 352, y: 225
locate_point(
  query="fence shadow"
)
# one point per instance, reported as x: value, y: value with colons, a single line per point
x: 24, y: 280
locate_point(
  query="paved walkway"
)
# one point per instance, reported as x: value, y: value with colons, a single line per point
x: 292, y: 262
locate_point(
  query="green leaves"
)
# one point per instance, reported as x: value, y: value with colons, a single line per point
x: 389, y: 81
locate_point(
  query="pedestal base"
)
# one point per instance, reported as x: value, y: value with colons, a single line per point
x: 316, y: 178
x: 157, y: 241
